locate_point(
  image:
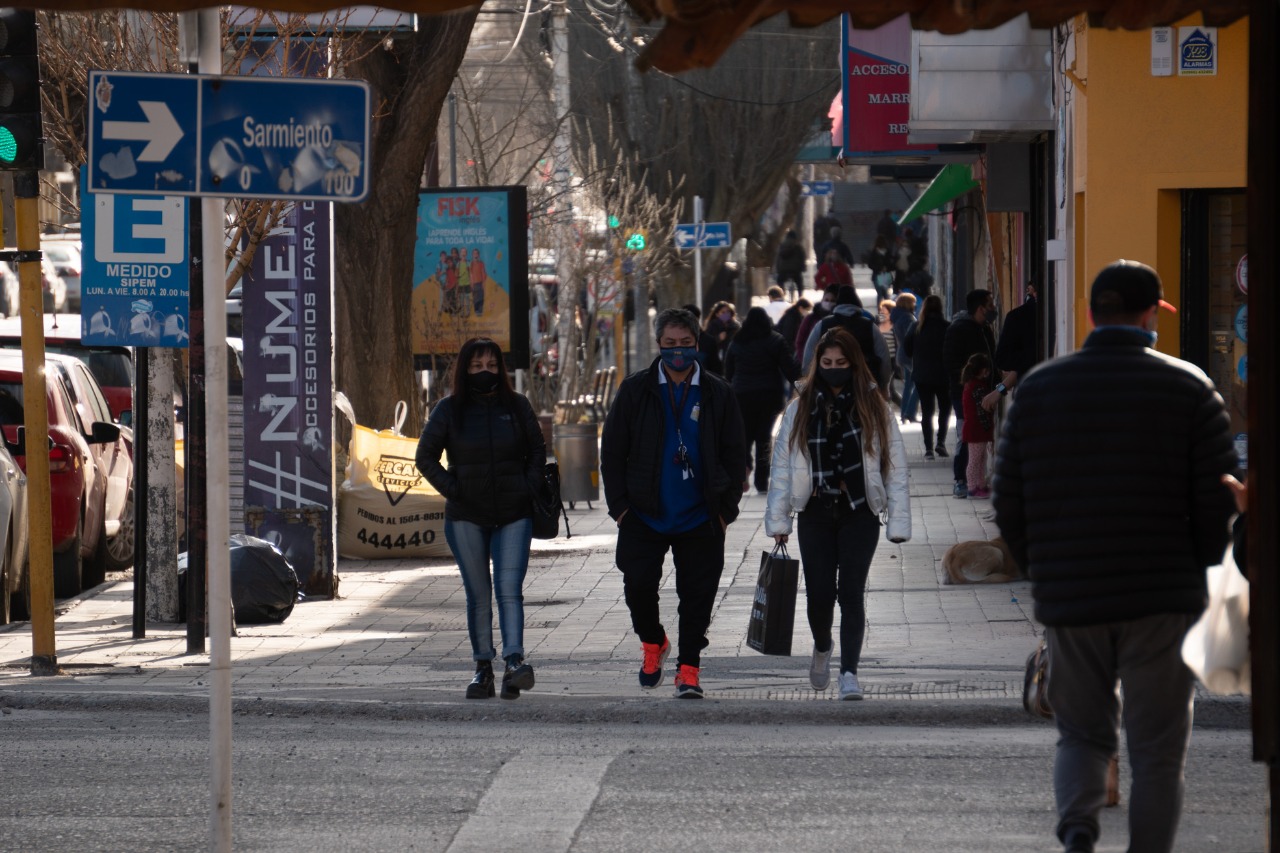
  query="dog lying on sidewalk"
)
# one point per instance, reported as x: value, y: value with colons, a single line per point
x: 979, y: 562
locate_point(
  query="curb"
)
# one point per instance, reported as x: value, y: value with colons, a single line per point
x: 1231, y: 713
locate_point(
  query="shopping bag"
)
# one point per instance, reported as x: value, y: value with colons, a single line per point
x: 773, y: 613
x: 1217, y: 647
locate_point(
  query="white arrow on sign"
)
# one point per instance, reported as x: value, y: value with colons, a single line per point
x: 684, y: 238
x: 160, y: 131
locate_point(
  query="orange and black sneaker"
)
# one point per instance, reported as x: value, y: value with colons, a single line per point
x: 687, y: 686
x: 655, y: 654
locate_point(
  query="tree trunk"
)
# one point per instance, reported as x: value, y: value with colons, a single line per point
x: 374, y: 241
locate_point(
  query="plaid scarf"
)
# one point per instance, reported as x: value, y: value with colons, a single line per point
x: 835, y: 446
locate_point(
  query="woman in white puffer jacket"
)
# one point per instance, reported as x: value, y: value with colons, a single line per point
x: 839, y: 464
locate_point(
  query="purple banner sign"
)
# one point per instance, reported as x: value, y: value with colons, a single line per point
x: 288, y: 375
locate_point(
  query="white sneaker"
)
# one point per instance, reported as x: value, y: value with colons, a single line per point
x: 849, y: 687
x: 820, y: 668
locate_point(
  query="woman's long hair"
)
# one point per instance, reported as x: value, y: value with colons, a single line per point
x: 710, y: 316
x: 755, y: 325
x: 471, y: 349
x: 932, y: 306
x: 873, y: 411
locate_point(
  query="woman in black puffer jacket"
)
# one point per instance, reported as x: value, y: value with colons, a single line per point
x: 496, y: 457
x: 924, y: 347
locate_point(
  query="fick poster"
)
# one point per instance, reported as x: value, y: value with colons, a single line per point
x: 877, y: 89
x: 470, y: 272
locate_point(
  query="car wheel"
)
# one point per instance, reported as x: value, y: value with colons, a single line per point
x: 68, y: 567
x: 116, y: 554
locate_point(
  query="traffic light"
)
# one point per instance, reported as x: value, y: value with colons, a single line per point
x: 638, y: 240
x: 21, y: 137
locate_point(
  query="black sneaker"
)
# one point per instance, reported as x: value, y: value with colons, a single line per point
x: 928, y: 456
x: 481, y: 686
x: 1079, y: 841
x: 941, y: 450
x: 518, y: 676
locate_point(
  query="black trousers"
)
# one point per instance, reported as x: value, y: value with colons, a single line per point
x: 836, y: 547
x: 699, y: 559
x: 760, y: 409
x: 929, y: 396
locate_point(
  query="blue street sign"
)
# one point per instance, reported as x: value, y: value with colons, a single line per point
x: 816, y: 188
x: 703, y: 235
x: 135, y: 270
x: 255, y: 137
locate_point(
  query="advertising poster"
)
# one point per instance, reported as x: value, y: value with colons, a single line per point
x: 288, y: 384
x: 135, y: 271
x: 470, y: 272
x: 877, y: 89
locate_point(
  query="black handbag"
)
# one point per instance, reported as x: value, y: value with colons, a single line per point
x: 773, y: 613
x: 547, y: 506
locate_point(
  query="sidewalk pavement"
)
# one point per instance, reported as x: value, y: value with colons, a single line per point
x: 396, y: 637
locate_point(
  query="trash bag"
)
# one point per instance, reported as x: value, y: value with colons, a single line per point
x: 264, y: 586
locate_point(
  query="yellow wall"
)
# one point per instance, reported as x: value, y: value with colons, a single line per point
x: 1139, y: 140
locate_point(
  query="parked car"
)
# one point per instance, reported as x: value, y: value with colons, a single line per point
x: 235, y: 310
x: 15, y: 592
x: 52, y: 284
x: 67, y: 264
x: 53, y: 287
x: 112, y: 366
x: 80, y: 468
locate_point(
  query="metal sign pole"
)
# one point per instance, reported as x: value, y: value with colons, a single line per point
x: 697, y: 250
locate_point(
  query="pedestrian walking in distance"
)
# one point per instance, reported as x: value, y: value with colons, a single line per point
x: 839, y: 463
x: 673, y: 458
x: 1109, y: 492
x: 762, y: 371
x: 496, y: 457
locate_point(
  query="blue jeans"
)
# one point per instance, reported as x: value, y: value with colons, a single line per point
x: 473, y: 546
x: 910, y: 399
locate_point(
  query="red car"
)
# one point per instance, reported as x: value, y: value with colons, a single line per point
x: 112, y: 366
x: 78, y: 484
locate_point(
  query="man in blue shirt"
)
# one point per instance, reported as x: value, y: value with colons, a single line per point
x: 673, y: 457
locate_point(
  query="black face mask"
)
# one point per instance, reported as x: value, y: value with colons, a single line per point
x: 484, y: 382
x: 836, y: 377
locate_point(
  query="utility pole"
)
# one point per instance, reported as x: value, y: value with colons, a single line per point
x: 561, y: 182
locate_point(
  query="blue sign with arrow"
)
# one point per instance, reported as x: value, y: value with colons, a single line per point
x: 703, y: 235
x: 816, y: 188
x: 201, y: 135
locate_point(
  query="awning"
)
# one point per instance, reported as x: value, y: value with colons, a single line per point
x: 952, y: 182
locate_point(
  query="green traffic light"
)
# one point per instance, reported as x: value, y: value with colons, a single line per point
x: 636, y: 242
x: 8, y: 146
x: 614, y: 222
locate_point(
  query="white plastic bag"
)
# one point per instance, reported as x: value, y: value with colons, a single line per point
x: 1217, y: 647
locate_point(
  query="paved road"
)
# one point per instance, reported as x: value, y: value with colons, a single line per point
x: 77, y: 780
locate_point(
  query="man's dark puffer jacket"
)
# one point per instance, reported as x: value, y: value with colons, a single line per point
x: 631, y: 454
x: 496, y: 458
x: 1108, y: 482
x: 965, y: 337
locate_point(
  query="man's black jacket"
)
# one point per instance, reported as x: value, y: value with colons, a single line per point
x: 1108, y: 482
x: 1019, y: 348
x: 965, y: 337
x: 631, y: 449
